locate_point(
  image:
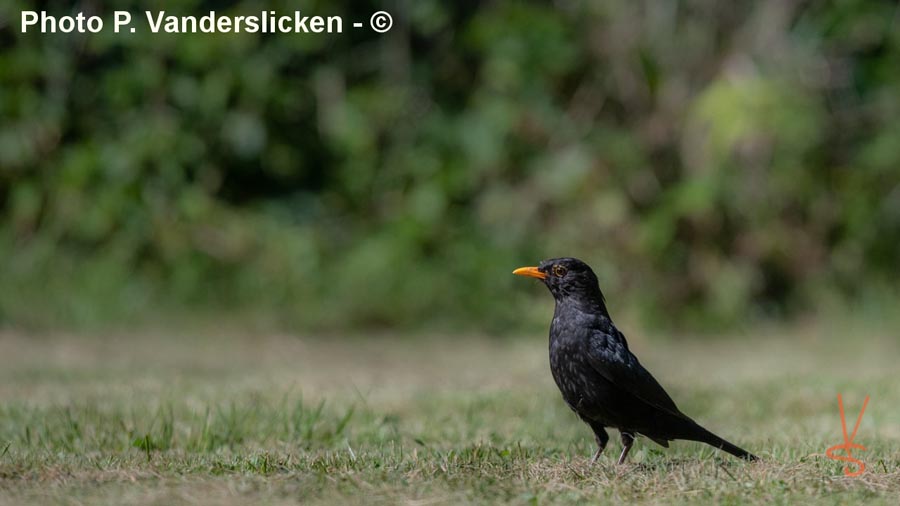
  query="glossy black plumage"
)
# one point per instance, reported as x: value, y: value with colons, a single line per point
x: 599, y: 377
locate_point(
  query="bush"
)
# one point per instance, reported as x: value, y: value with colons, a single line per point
x: 713, y: 162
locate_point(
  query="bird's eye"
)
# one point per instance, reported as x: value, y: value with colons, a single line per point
x: 559, y: 271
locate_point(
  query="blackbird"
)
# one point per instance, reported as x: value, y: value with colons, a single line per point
x: 599, y: 377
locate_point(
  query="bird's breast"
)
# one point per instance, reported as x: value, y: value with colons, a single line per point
x: 572, y: 372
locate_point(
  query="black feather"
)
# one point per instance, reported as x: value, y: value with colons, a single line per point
x: 599, y: 377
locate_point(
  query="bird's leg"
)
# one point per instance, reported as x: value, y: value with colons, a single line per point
x: 597, y: 453
x: 602, y: 438
x: 627, y: 441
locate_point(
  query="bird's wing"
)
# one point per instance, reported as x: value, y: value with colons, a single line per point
x: 609, y: 355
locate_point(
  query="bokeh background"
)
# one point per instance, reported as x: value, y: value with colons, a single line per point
x: 717, y: 163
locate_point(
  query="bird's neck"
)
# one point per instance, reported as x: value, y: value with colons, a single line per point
x: 590, y: 306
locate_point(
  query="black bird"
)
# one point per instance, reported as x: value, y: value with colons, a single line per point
x: 600, y: 379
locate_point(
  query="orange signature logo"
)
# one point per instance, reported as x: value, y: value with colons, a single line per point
x: 849, y: 445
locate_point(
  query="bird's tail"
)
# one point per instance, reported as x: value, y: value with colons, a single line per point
x: 705, y: 436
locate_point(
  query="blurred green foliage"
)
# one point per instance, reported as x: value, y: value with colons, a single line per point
x: 713, y: 160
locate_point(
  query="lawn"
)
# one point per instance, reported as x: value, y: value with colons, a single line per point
x: 240, y: 418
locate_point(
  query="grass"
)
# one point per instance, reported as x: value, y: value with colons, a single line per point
x: 235, y: 419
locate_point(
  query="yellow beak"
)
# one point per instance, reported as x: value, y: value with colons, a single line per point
x: 531, y: 272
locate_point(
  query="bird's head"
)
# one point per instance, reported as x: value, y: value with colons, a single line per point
x: 568, y: 279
